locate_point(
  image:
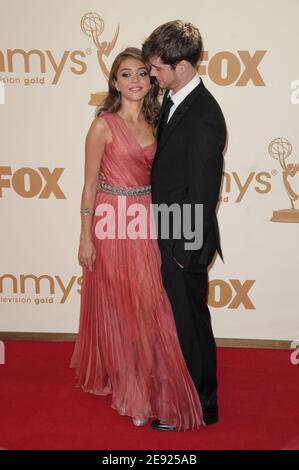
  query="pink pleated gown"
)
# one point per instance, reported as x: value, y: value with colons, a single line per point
x: 127, y: 344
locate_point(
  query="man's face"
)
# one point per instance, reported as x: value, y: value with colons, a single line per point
x: 166, y: 76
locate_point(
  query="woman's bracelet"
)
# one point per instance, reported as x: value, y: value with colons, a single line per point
x: 86, y: 211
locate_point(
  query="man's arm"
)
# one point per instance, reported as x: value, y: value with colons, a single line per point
x: 205, y: 163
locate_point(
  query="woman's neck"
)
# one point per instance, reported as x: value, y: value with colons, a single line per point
x: 131, y: 112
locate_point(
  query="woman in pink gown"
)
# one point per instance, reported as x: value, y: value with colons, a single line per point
x: 127, y: 344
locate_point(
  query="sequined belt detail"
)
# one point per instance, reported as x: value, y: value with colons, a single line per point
x: 130, y: 191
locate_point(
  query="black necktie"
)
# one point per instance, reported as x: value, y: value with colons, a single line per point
x: 164, y: 119
x: 168, y: 105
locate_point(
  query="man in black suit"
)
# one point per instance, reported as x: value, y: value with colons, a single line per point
x: 187, y: 169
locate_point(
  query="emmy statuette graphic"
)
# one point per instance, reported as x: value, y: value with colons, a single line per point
x: 93, y: 25
x: 280, y: 149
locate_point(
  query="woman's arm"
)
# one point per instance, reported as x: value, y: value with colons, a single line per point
x: 96, y: 139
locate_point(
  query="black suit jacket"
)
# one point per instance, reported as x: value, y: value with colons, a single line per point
x: 187, y: 169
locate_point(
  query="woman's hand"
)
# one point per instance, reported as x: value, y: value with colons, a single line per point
x: 86, y: 254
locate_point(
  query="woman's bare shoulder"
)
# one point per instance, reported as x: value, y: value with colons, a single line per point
x: 100, y: 128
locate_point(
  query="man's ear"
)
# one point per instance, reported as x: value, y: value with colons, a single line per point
x: 182, y: 66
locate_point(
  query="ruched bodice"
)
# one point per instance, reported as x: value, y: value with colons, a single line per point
x: 125, y: 162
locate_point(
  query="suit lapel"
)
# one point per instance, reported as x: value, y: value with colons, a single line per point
x: 177, y: 116
x: 161, y: 114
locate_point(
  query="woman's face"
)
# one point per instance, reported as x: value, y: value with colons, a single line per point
x: 132, y: 79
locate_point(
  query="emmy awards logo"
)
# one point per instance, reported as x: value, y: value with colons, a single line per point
x: 93, y: 25
x: 280, y: 149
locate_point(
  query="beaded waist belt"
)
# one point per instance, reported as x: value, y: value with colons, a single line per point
x: 130, y: 191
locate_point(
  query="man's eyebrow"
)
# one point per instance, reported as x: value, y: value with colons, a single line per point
x: 156, y: 66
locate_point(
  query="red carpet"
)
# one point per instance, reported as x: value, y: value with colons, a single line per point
x: 41, y: 409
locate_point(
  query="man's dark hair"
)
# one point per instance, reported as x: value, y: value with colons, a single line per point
x: 174, y: 41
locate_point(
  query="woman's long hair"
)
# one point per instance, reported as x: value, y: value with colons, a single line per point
x: 112, y: 102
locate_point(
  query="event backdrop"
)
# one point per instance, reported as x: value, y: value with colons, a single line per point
x: 54, y: 59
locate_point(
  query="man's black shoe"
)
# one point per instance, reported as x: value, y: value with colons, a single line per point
x: 156, y: 424
x: 210, y: 419
x: 210, y: 414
